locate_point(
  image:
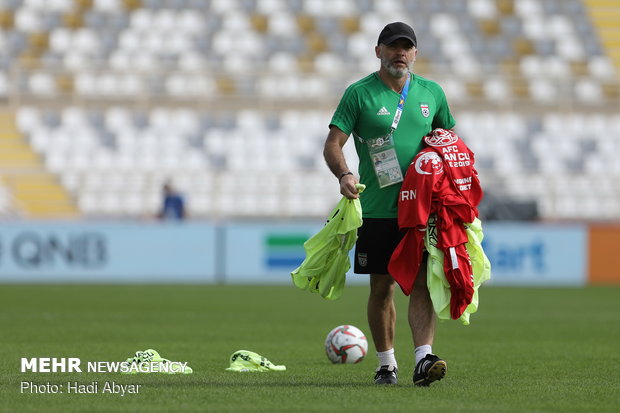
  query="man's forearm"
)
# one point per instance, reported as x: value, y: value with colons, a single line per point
x: 334, y: 157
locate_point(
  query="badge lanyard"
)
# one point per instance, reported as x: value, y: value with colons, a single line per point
x: 401, y: 103
x: 382, y: 150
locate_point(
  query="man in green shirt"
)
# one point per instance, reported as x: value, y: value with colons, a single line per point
x: 388, y: 113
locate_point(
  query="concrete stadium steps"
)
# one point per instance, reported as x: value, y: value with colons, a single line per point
x: 39, y: 195
x: 16, y: 154
x: 605, y: 16
x: 35, y: 193
x: 14, y: 150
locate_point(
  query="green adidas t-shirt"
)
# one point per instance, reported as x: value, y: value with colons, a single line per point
x: 367, y: 110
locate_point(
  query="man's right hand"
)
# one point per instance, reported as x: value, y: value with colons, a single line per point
x: 347, y: 187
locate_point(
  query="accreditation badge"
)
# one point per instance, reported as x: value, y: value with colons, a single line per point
x: 384, y: 160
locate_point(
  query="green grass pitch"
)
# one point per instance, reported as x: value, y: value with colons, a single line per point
x: 526, y: 350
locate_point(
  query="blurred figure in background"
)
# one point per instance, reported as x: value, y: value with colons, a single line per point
x: 173, y: 207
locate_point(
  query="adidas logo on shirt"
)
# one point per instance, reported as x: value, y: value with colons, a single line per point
x: 383, y: 111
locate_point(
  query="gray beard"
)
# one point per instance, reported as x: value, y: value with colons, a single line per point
x: 393, y: 71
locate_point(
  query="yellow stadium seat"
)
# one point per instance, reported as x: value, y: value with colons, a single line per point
x: 260, y: 23
x: 506, y: 7
x: 611, y: 90
x: 580, y: 68
x: 226, y: 85
x: 316, y: 43
x: 84, y: 4
x: 73, y: 20
x: 65, y: 83
x: 520, y: 88
x: 132, y: 4
x: 524, y: 47
x: 490, y: 27
x: 350, y: 24
x: 7, y: 19
x: 305, y: 23
x: 38, y: 42
x: 305, y: 63
x: 475, y: 89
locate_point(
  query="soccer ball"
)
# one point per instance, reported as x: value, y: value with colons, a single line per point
x: 346, y: 344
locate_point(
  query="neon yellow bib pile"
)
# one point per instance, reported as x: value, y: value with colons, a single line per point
x: 438, y: 285
x: 244, y: 360
x: 326, y: 264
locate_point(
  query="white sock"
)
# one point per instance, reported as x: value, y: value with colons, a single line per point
x: 386, y: 358
x: 421, y: 352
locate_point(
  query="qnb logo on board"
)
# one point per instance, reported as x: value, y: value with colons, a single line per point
x: 285, y: 250
x: 33, y: 250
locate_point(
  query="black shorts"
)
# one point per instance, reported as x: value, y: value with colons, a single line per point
x: 377, y: 239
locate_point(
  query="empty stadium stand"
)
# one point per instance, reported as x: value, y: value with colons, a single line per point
x: 104, y: 100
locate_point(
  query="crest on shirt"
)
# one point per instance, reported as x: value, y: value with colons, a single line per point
x: 441, y: 137
x: 362, y: 259
x: 425, y: 111
x: 429, y: 163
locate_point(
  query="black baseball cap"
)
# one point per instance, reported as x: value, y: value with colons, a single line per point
x: 395, y: 31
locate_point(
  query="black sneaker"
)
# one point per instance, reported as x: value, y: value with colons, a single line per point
x: 386, y: 375
x: 431, y: 368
